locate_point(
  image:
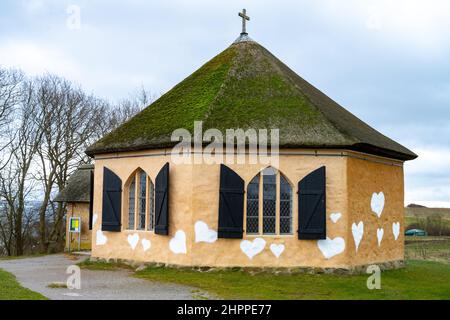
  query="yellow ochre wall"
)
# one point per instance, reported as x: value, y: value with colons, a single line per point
x: 365, y: 178
x: 78, y: 210
x: 194, y: 196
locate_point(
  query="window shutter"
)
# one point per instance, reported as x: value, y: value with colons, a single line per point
x: 91, y: 198
x: 112, y: 201
x: 231, y: 204
x: 312, y: 206
x: 162, y: 201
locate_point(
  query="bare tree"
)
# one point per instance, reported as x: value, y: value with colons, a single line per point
x: 7, y: 213
x: 15, y: 178
x: 70, y: 120
x: 127, y: 108
x: 10, y: 81
x: 45, y: 125
x: 10, y: 93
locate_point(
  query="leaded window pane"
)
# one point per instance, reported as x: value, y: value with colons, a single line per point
x: 131, y: 203
x: 151, y: 195
x: 269, y: 200
x: 253, y: 206
x: 285, y: 206
x: 142, y: 199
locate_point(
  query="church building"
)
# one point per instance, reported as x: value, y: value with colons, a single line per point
x: 333, y: 199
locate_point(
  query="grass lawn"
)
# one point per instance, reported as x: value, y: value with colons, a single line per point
x: 420, y: 280
x: 10, y: 289
x: 428, y: 248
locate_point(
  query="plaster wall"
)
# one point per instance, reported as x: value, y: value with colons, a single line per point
x: 117, y: 245
x: 297, y: 253
x: 194, y: 196
x: 364, y: 179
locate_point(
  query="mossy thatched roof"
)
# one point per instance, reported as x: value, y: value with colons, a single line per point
x: 246, y: 87
x: 78, y: 188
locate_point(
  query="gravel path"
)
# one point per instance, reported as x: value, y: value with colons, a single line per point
x: 37, y: 273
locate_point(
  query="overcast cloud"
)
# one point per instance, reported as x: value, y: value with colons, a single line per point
x: 386, y: 61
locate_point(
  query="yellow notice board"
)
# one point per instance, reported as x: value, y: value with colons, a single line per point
x: 75, y: 225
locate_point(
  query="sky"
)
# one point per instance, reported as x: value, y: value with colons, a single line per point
x: 385, y: 61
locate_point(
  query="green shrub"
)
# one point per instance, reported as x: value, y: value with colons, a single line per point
x: 433, y: 224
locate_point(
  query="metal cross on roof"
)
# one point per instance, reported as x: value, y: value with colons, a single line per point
x: 245, y: 18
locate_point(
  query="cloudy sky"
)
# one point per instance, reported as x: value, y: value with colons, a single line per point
x: 386, y: 61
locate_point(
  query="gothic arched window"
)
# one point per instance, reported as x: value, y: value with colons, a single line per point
x: 269, y: 204
x: 141, y: 202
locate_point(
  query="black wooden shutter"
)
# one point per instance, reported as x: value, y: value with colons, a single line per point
x: 162, y: 201
x: 91, y: 198
x: 112, y: 201
x: 231, y: 204
x: 312, y: 206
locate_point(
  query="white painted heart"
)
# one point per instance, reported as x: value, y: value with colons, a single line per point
x: 178, y: 243
x: 101, y: 239
x: 203, y: 233
x: 146, y: 244
x: 331, y: 247
x: 396, y: 229
x: 358, y: 232
x: 277, y: 249
x: 133, y: 240
x: 335, y: 217
x: 94, y: 219
x: 377, y: 203
x: 380, y: 234
x: 252, y: 248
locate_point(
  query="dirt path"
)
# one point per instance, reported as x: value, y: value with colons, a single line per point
x: 37, y: 273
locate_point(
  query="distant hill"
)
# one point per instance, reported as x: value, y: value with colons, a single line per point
x: 424, y: 211
x: 413, y: 205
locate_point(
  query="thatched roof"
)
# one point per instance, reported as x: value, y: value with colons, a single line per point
x: 78, y: 188
x: 245, y: 87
